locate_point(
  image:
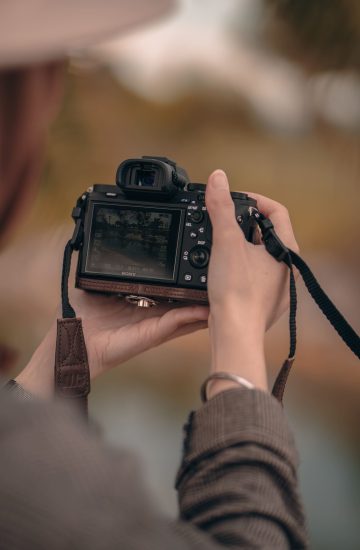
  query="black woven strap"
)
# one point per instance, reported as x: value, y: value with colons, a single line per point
x: 338, y: 321
x: 68, y: 311
x: 281, y: 253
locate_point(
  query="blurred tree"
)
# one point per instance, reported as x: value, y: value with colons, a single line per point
x: 321, y: 34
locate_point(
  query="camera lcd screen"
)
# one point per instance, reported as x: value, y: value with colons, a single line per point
x: 136, y: 242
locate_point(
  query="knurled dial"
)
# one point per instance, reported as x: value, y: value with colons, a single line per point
x: 199, y: 257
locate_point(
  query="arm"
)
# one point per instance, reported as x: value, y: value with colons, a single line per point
x: 237, y: 483
x: 238, y: 478
x: 62, y: 487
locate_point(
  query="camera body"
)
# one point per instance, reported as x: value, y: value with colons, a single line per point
x: 148, y: 237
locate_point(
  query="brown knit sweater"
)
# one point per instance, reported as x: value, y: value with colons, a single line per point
x: 62, y: 488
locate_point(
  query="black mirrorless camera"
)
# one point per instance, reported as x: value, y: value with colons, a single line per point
x: 148, y: 237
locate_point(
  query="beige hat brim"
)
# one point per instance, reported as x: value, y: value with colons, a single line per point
x: 38, y: 30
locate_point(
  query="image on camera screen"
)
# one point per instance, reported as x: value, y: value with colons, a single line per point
x: 133, y: 242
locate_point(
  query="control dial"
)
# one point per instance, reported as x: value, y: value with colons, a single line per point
x: 199, y: 257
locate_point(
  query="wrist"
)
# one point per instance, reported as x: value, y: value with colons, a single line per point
x: 237, y: 346
x: 37, y: 378
x: 205, y: 391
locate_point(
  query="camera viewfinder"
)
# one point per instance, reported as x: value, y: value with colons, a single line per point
x: 144, y: 178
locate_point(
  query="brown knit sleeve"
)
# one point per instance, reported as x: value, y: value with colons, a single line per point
x: 237, y: 481
x: 61, y: 487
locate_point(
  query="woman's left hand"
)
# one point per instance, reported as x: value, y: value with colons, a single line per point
x: 114, y: 331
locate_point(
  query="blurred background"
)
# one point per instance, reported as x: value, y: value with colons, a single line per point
x: 270, y: 92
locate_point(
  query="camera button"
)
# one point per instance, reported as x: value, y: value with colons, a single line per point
x: 199, y: 257
x: 196, y: 216
x: 201, y: 230
x: 203, y: 278
x: 187, y: 277
x: 193, y: 234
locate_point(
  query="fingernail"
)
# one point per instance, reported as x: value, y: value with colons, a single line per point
x: 220, y: 180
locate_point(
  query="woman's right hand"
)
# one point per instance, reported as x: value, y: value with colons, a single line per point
x: 248, y: 289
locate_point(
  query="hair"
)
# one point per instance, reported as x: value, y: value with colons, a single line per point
x: 29, y: 99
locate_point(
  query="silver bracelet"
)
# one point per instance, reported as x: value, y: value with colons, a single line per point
x: 223, y: 376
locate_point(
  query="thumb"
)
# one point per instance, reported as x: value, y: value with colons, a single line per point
x: 220, y: 206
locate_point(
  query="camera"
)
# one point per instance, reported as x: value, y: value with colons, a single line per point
x: 148, y: 238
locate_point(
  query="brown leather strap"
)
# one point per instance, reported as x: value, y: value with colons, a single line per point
x: 72, y: 375
x: 280, y: 382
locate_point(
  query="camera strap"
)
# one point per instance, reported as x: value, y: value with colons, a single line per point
x: 72, y: 374
x: 281, y: 253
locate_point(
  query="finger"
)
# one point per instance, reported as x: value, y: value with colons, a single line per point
x: 174, y: 319
x: 178, y: 317
x: 188, y: 329
x: 151, y: 332
x: 279, y: 216
x: 221, y: 208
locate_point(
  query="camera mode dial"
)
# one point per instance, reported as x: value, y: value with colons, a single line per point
x: 199, y: 257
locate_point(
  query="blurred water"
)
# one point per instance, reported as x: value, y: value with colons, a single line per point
x: 330, y: 483
x: 151, y: 426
